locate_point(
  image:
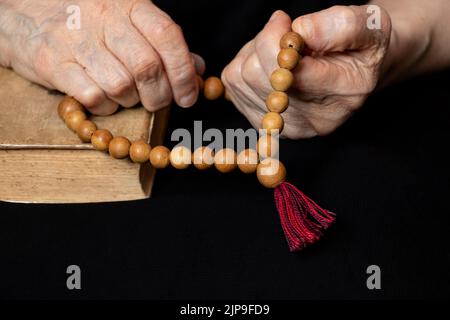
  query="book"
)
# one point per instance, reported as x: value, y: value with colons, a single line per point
x: 42, y: 161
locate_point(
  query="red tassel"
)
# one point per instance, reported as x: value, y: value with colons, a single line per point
x: 302, y: 219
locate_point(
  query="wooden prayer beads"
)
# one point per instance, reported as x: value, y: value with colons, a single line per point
x: 288, y: 58
x: 303, y: 221
x: 140, y: 151
x: 225, y: 160
x: 203, y: 158
x: 247, y: 161
x: 277, y: 101
x: 68, y: 104
x: 85, y: 130
x: 272, y: 121
x: 119, y: 147
x: 74, y: 118
x: 270, y: 171
x: 292, y: 40
x: 100, y: 139
x: 160, y: 157
x: 180, y: 157
x: 213, y: 88
x: 281, y: 79
x: 267, y: 146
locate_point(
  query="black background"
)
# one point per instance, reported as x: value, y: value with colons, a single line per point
x: 204, y: 235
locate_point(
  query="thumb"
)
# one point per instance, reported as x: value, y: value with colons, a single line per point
x: 341, y: 28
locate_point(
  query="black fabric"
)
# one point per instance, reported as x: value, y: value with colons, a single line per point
x: 206, y: 235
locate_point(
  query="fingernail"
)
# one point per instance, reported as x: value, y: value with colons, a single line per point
x: 189, y: 100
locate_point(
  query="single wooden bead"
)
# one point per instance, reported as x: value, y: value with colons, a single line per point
x: 74, y: 118
x: 180, y: 157
x: 100, y: 139
x: 271, y: 172
x: 68, y: 104
x: 225, y: 160
x: 203, y: 158
x: 200, y: 82
x: 140, y: 151
x: 292, y: 40
x: 247, y: 161
x: 119, y: 147
x: 268, y: 146
x: 85, y: 130
x: 213, y: 88
x: 281, y: 79
x: 160, y: 157
x: 277, y: 101
x: 288, y: 58
x: 272, y: 121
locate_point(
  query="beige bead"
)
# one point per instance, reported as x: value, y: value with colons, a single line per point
x: 247, y: 160
x: 277, y: 101
x: 180, y: 157
x: 160, y: 157
x: 288, y: 58
x: 271, y: 172
x: 68, y: 104
x: 292, y: 40
x: 74, y: 118
x: 85, y: 130
x: 268, y: 146
x: 140, y: 151
x: 100, y: 139
x: 213, y: 88
x: 272, y: 121
x: 119, y: 147
x: 225, y: 160
x: 281, y: 79
x: 203, y: 158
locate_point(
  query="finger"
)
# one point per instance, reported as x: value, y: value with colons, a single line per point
x: 167, y: 39
x: 109, y: 73
x: 244, y: 98
x: 199, y: 64
x: 267, y: 42
x: 339, y: 28
x: 143, y: 63
x: 231, y: 73
x: 82, y: 87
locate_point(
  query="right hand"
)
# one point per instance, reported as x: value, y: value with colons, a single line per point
x: 124, y: 52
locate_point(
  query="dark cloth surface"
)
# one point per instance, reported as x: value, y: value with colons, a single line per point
x: 205, y: 235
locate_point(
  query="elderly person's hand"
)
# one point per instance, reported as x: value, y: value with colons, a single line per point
x: 123, y: 51
x: 333, y: 80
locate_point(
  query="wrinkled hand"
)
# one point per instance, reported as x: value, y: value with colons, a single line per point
x: 331, y: 82
x: 124, y: 52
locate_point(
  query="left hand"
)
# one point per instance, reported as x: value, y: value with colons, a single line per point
x: 330, y: 83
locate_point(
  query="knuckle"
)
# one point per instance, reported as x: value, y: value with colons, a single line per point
x: 42, y: 61
x: 248, y: 69
x: 183, y: 73
x: 167, y: 28
x: 119, y: 86
x: 91, y: 97
x: 147, y: 70
x: 347, y: 17
x: 231, y: 74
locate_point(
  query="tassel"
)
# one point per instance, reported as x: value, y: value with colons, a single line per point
x: 302, y: 219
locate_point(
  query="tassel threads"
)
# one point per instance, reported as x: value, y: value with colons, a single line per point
x: 302, y: 219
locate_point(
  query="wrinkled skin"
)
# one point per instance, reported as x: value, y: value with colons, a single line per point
x: 333, y: 80
x: 124, y: 52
